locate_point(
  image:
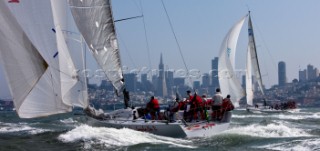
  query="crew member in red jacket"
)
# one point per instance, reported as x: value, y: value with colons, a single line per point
x: 226, y: 106
x: 155, y: 107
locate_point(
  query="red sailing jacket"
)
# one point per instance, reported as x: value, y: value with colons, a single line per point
x: 155, y: 103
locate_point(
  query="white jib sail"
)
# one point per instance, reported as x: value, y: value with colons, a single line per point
x: 95, y: 22
x: 35, y: 18
x: 249, y: 90
x: 73, y: 91
x: 229, y: 82
x: 254, y: 56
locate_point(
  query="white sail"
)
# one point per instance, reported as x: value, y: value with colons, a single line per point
x: 249, y: 90
x: 229, y: 82
x: 254, y: 56
x: 73, y: 91
x: 95, y: 22
x: 35, y: 18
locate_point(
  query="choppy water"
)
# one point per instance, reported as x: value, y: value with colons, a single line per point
x: 290, y: 131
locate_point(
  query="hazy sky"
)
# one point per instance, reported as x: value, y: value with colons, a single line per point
x: 285, y: 30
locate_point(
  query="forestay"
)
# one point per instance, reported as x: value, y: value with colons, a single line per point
x: 228, y: 80
x: 95, y: 22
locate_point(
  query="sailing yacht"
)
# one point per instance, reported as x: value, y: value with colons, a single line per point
x: 228, y: 79
x: 96, y: 24
x: 41, y: 72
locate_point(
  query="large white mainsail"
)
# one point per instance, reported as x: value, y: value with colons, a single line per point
x: 73, y: 90
x: 228, y: 80
x: 254, y: 56
x: 34, y: 85
x: 95, y: 22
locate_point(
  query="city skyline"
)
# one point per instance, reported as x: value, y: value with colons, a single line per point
x: 201, y: 26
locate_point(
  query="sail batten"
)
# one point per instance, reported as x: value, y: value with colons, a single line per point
x: 95, y: 22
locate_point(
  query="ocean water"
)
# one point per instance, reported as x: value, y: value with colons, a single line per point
x: 297, y: 131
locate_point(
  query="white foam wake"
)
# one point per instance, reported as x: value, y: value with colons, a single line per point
x: 68, y: 121
x: 21, y: 127
x: 296, y: 145
x: 280, y: 116
x: 272, y: 130
x: 111, y: 137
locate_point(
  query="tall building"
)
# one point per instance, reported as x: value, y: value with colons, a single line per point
x: 170, y: 83
x: 161, y: 87
x: 312, y: 72
x: 196, y: 85
x: 282, y: 77
x: 214, y: 72
x: 243, y: 83
x: 131, y: 82
x: 205, y: 80
x: 303, y: 75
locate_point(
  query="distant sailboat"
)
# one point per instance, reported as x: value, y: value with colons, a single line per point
x: 228, y: 79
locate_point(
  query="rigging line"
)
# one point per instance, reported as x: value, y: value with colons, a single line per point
x: 126, y: 49
x: 146, y: 37
x: 175, y: 37
x: 265, y: 44
x: 273, y: 61
x: 139, y: 8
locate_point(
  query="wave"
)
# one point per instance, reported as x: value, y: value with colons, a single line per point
x: 21, y: 127
x: 111, y: 137
x: 271, y: 130
x: 280, y: 116
x: 68, y: 121
x: 295, y: 145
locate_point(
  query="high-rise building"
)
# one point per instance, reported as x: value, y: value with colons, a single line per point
x: 303, y: 75
x: 161, y: 87
x: 282, y: 77
x: 243, y: 84
x: 214, y: 72
x: 170, y: 83
x: 312, y: 72
x: 196, y: 85
x: 205, y: 80
x: 131, y: 81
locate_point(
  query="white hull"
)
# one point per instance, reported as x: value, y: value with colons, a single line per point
x: 176, y: 129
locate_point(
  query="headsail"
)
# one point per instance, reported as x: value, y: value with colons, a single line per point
x: 228, y: 80
x: 31, y: 77
x: 249, y: 90
x: 254, y: 56
x: 95, y: 22
x: 73, y: 90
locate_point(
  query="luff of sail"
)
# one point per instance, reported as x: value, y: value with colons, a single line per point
x: 228, y: 80
x: 73, y: 91
x: 26, y: 70
x: 254, y: 56
x: 95, y: 22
